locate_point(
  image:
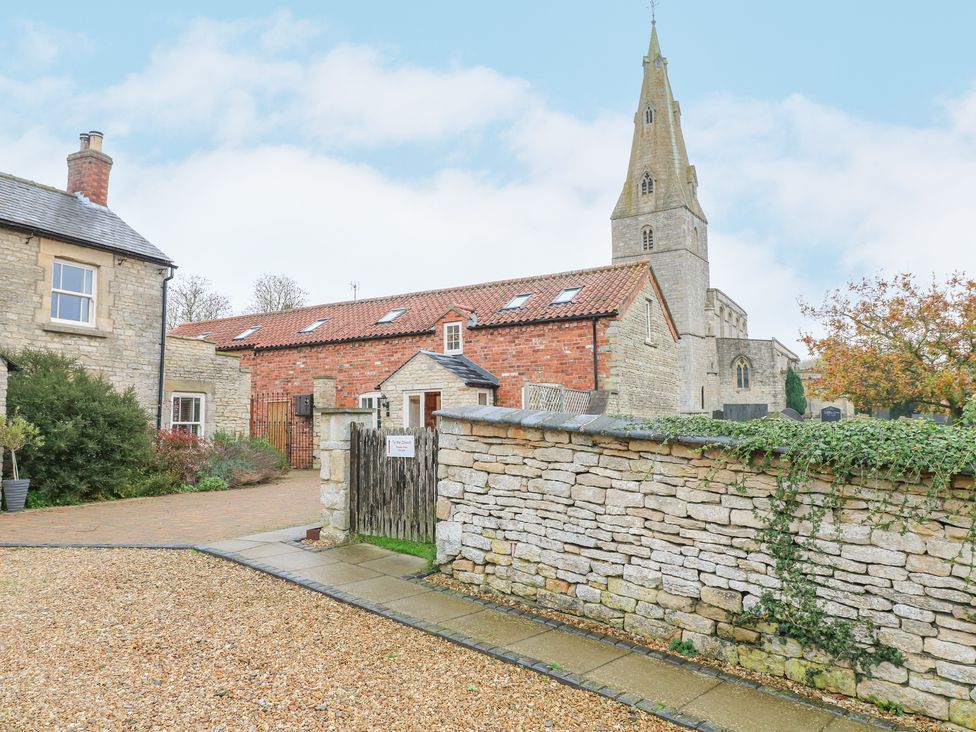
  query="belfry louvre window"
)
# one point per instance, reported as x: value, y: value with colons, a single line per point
x: 648, y: 116
x: 392, y: 315
x: 187, y: 414
x: 566, y: 296
x: 73, y: 294
x: 742, y: 374
x: 647, y: 184
x: 647, y: 238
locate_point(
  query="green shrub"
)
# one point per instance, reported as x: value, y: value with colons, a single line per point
x: 243, y: 460
x: 210, y: 483
x: 96, y: 440
x: 795, y: 398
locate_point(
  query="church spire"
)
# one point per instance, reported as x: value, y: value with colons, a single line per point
x: 654, y: 50
x: 659, y: 176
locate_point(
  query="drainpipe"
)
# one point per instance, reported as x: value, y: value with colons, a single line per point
x: 162, y: 351
x: 596, y: 361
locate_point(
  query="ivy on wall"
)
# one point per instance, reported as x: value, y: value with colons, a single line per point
x: 819, y: 468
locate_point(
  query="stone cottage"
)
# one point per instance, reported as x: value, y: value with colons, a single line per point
x: 80, y: 281
x: 405, y: 356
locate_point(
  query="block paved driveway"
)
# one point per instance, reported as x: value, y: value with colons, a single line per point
x: 182, y: 518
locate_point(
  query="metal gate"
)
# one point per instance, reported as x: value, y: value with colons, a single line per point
x: 273, y: 417
x: 392, y: 496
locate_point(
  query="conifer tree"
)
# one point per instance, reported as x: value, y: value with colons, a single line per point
x: 795, y: 398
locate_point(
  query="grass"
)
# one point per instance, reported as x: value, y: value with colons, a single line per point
x: 402, y: 546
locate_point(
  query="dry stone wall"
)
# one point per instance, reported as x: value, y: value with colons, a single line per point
x: 589, y: 518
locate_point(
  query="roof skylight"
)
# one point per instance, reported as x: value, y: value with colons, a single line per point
x: 311, y: 327
x: 392, y: 315
x: 518, y: 301
x: 203, y: 336
x: 566, y: 296
x: 247, y: 333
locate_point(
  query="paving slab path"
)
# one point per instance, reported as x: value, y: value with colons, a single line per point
x: 694, y: 696
x: 180, y: 518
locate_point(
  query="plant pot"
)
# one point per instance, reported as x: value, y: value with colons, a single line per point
x: 15, y: 493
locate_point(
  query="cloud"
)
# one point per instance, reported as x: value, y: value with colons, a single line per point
x: 821, y: 196
x: 232, y: 215
x: 246, y: 81
x: 38, y: 46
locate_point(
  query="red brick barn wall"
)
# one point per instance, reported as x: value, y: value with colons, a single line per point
x: 560, y: 353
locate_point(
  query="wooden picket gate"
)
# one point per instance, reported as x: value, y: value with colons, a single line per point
x: 392, y: 496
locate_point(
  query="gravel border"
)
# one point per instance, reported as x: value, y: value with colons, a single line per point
x: 500, y: 653
x: 575, y: 680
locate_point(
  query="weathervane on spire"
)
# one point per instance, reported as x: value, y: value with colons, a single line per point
x: 653, y: 4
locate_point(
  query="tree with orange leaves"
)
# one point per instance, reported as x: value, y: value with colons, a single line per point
x: 888, y: 342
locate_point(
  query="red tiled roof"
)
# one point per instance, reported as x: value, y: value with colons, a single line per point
x: 605, y: 291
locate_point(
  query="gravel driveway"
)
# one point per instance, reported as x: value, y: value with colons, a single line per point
x: 126, y: 639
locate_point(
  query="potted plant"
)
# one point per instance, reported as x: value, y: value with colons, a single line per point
x: 17, y: 433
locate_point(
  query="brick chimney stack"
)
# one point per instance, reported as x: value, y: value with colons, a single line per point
x: 88, y: 169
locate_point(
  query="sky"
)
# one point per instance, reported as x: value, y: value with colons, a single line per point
x: 410, y: 146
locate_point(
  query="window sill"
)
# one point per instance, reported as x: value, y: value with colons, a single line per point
x: 652, y: 344
x: 75, y: 330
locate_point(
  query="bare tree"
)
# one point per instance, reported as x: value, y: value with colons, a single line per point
x: 192, y: 298
x: 276, y: 292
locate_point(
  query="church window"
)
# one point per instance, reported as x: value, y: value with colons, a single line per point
x: 647, y: 238
x: 647, y: 184
x: 648, y: 116
x: 742, y: 373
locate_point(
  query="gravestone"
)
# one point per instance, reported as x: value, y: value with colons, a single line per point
x: 745, y: 412
x: 830, y: 414
x: 791, y: 413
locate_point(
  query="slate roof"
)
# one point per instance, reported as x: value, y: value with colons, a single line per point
x: 605, y: 290
x: 466, y: 369
x: 31, y: 206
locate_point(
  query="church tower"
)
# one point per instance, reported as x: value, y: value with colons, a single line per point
x: 658, y: 219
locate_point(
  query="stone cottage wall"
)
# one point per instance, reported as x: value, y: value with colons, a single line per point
x: 195, y: 367
x: 611, y: 525
x: 123, y: 345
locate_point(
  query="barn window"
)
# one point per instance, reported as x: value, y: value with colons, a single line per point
x: 566, y: 296
x: 518, y: 301
x: 392, y: 315
x: 247, y: 333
